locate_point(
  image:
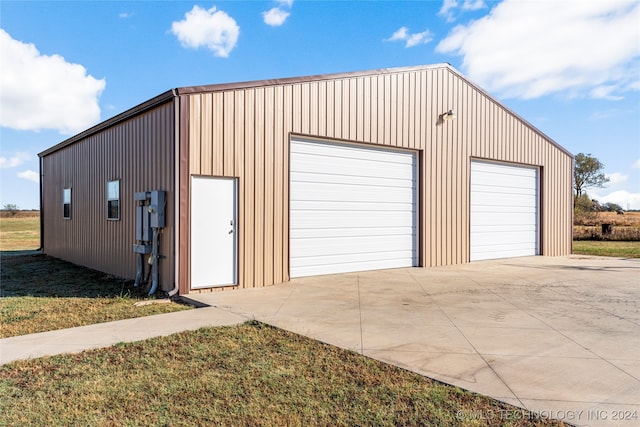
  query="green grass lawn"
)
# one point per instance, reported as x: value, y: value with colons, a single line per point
x: 607, y: 248
x: 40, y: 293
x: 245, y: 375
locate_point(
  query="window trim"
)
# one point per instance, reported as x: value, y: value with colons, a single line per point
x: 110, y: 200
x: 66, y: 212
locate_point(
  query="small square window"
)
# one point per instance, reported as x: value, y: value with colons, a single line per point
x: 113, y: 200
x: 66, y: 203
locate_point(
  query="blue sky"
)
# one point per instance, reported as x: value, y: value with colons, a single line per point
x: 569, y: 67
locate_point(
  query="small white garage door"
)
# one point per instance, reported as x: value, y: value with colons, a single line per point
x: 352, y: 208
x: 504, y: 211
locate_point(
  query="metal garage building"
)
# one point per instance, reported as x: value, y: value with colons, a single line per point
x: 264, y: 181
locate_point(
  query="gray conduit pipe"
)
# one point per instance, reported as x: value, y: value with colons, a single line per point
x: 154, y: 266
x: 140, y: 270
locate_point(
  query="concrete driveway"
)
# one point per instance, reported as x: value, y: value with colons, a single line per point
x: 559, y: 336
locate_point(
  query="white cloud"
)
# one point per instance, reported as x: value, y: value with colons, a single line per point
x: 211, y: 28
x: 446, y: 10
x: 12, y: 162
x: 419, y: 38
x: 473, y: 5
x: 30, y: 175
x: 449, y: 6
x: 605, y: 92
x: 45, y: 92
x: 287, y: 3
x: 125, y: 15
x: 624, y: 198
x: 275, y: 17
x: 402, y: 34
x: 637, y: 164
x: 530, y: 49
x: 616, y: 178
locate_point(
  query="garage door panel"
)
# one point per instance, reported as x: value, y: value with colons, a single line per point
x: 333, y: 205
x: 507, y: 251
x: 490, y: 168
x: 350, y: 245
x: 342, y: 219
x: 522, y: 237
x: 352, y: 208
x: 504, y: 211
x: 497, y: 191
x: 501, y: 219
x: 495, y: 209
x: 507, y: 203
x: 348, y: 192
x: 400, y: 181
x: 350, y: 267
x: 514, y: 247
x: 507, y: 228
x: 324, y: 261
x: 505, y: 181
x: 331, y: 151
x: 351, y: 168
x: 301, y: 233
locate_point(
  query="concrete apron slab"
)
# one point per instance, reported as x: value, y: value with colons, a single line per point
x: 558, y: 336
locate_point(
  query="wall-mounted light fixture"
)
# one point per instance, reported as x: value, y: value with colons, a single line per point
x: 449, y: 115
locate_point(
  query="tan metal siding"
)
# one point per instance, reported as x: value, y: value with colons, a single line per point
x: 395, y: 108
x: 140, y: 153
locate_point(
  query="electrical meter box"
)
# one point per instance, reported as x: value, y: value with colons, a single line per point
x: 157, y: 208
x: 150, y: 213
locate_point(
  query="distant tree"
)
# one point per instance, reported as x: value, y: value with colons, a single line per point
x: 583, y: 203
x: 611, y: 207
x: 11, y: 208
x: 587, y: 173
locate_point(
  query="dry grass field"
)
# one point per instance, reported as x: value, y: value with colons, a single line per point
x: 628, y: 219
x: 624, y: 227
x: 19, y: 230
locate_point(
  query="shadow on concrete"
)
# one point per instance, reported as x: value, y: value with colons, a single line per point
x: 560, y: 267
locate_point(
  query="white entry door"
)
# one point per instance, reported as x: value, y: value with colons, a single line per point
x: 213, y: 232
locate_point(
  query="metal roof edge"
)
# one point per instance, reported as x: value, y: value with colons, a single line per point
x: 509, y: 110
x: 303, y: 79
x: 131, y: 112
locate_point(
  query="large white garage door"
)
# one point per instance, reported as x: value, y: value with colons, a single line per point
x: 504, y: 211
x: 352, y: 208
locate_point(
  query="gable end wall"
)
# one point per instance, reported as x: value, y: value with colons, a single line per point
x: 245, y: 133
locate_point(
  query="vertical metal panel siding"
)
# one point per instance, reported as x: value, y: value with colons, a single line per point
x: 400, y: 109
x: 140, y: 153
